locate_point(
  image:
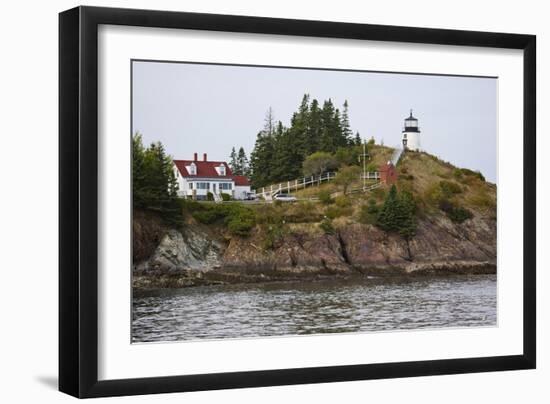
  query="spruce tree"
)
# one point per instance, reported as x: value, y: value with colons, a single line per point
x: 327, y: 137
x: 346, y: 130
x: 242, y: 163
x: 261, y: 158
x: 233, y: 163
x: 313, y: 135
x: 138, y: 173
x: 357, y: 141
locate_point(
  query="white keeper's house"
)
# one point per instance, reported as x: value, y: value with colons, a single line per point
x: 198, y: 177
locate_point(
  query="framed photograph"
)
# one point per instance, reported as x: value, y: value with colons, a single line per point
x: 250, y: 201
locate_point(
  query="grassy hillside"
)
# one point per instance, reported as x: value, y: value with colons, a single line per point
x: 437, y: 189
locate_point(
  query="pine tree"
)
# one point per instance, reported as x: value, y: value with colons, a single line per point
x: 138, y: 174
x: 242, y: 163
x: 388, y: 219
x: 358, y: 140
x: 233, y: 163
x: 261, y: 158
x: 288, y: 158
x: 154, y: 182
x: 313, y: 135
x: 346, y: 130
x: 398, y: 216
x: 327, y: 139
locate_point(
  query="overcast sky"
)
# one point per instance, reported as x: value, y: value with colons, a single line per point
x: 211, y: 108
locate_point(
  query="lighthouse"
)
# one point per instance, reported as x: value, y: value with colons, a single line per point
x: 411, y: 134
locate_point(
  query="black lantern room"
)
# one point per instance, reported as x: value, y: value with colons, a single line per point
x: 411, y: 124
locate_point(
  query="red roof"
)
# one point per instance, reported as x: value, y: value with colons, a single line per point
x: 207, y: 169
x: 204, y: 168
x: 241, y: 180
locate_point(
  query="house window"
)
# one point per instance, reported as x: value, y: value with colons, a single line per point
x: 225, y: 186
x: 203, y: 185
x: 222, y: 169
x: 190, y: 185
x: 192, y: 169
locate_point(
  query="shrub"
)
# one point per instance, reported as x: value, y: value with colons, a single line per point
x: 210, y: 196
x: 324, y: 197
x: 369, y: 212
x: 226, y: 197
x: 335, y: 211
x: 274, y: 235
x: 342, y: 201
x: 241, y: 224
x: 470, y: 173
x: 208, y: 216
x: 449, y: 188
x: 371, y: 167
x: 326, y: 226
x: 302, y: 212
x: 456, y: 213
x: 459, y: 214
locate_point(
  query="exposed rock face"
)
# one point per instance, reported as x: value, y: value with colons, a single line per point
x: 439, y: 247
x: 191, y: 250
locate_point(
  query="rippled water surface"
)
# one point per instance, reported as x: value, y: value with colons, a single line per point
x: 275, y: 309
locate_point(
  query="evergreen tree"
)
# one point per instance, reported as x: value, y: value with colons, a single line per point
x: 138, y: 172
x: 299, y: 125
x: 242, y: 163
x: 398, y: 216
x: 314, y: 130
x: 346, y: 130
x: 327, y: 141
x: 154, y: 182
x: 288, y: 158
x: 233, y: 164
x: 357, y: 141
x: 261, y: 158
x: 388, y: 218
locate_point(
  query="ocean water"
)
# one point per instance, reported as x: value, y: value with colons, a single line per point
x: 314, y: 307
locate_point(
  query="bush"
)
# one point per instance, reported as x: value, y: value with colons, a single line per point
x: 457, y: 173
x: 210, y: 196
x: 241, y: 223
x: 208, y: 216
x: 326, y: 226
x: 274, y: 235
x: 469, y: 173
x: 302, y: 212
x: 238, y: 219
x: 371, y: 168
x: 459, y: 214
x: 335, y: 211
x: 449, y: 188
x: 342, y: 201
x: 225, y: 197
x: 324, y: 197
x: 456, y: 213
x: 369, y: 212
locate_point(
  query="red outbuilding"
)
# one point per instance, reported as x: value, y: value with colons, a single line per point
x: 388, y: 174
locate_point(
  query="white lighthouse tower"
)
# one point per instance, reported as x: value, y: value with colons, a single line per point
x: 411, y: 134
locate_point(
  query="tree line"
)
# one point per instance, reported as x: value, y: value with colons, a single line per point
x: 154, y: 184
x: 279, y: 152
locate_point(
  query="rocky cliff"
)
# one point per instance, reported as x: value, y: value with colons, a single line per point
x: 195, y: 255
x: 326, y: 236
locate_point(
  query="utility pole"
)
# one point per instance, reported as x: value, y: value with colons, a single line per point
x: 364, y: 157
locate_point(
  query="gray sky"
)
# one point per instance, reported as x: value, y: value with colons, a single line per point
x: 211, y: 108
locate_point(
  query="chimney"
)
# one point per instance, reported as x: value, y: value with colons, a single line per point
x: 204, y: 156
x: 195, y: 157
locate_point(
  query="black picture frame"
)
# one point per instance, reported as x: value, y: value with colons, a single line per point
x: 78, y: 201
